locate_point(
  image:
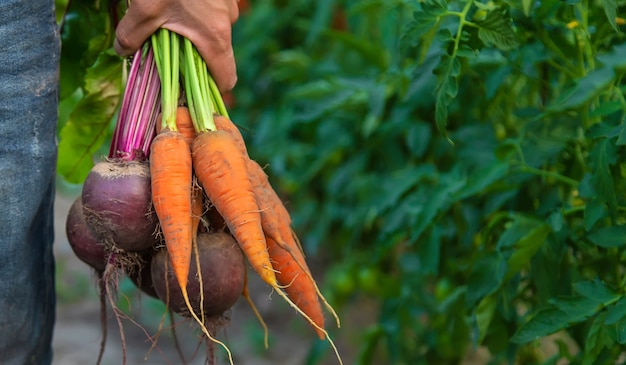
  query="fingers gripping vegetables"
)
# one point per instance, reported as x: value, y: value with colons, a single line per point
x: 200, y: 195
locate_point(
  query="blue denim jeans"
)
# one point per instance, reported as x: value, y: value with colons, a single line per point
x: 29, y: 77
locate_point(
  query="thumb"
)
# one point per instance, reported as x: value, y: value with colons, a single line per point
x: 140, y: 22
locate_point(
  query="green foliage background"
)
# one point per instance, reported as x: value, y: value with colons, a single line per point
x: 457, y: 163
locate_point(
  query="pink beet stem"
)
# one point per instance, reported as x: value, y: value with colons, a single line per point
x: 136, y: 122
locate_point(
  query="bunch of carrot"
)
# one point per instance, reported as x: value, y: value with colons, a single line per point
x: 213, y: 151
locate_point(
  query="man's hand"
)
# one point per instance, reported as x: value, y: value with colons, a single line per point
x: 206, y: 23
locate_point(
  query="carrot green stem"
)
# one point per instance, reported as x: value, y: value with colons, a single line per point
x: 191, y: 103
x: 195, y: 84
x: 203, y: 96
x: 175, y: 54
x: 166, y: 79
x: 192, y: 85
x: 217, y: 98
x: 154, y: 40
x: 166, y: 48
x: 204, y: 81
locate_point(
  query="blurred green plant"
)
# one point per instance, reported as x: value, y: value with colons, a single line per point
x: 459, y: 163
x: 91, y: 84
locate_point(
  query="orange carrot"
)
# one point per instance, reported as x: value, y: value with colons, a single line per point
x: 287, y: 259
x: 297, y: 280
x: 276, y: 223
x: 273, y: 200
x: 297, y: 283
x: 254, y: 169
x: 225, y: 124
x: 184, y: 124
x: 170, y: 169
x: 222, y: 172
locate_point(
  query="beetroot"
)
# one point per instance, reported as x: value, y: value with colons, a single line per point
x: 117, y: 205
x: 82, y: 239
x: 141, y: 276
x: 223, y: 275
x: 215, y: 220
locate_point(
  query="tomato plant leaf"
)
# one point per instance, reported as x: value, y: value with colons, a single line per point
x: 290, y: 65
x: 377, y: 99
x: 496, y: 29
x: 371, y: 338
x: 615, y: 58
x: 604, y: 130
x: 594, y: 211
x: 400, y: 182
x: 484, y: 314
x: 546, y: 321
x: 621, y: 139
x: 482, y: 178
x: 606, y: 108
x: 531, y: 93
x: 612, y: 236
x: 439, y: 199
x: 407, y: 210
x: 447, y: 72
x: 583, y: 90
x: 576, y: 308
x: 418, y: 136
x: 424, y: 21
x: 597, y: 339
x: 610, y: 9
x: 429, y: 252
x: 483, y: 278
x: 372, y: 52
x: 321, y: 16
x: 616, y: 312
x: 621, y: 331
x: 520, y: 242
x: 567, y: 311
x: 526, y: 5
x: 596, y: 290
x: 603, y: 155
x: 556, y: 221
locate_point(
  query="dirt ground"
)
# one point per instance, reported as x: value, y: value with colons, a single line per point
x: 78, y: 333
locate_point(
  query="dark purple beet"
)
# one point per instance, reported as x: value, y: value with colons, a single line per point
x: 223, y: 275
x: 141, y: 276
x: 82, y: 239
x: 117, y: 204
x: 215, y: 220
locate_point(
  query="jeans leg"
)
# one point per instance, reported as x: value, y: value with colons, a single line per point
x: 29, y: 76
